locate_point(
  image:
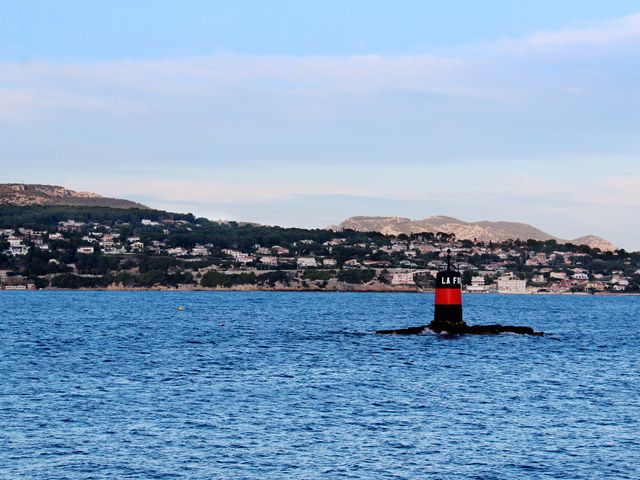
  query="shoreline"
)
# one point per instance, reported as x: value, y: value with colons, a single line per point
x: 351, y: 289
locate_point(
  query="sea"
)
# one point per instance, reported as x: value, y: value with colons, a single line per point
x: 257, y: 385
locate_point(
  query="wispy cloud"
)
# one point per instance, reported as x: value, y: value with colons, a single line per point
x: 613, y: 31
x: 24, y: 104
x: 117, y: 85
x: 430, y: 130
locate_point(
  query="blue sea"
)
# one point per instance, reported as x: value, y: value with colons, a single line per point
x: 296, y: 386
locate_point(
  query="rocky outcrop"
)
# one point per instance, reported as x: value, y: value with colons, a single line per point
x: 463, y: 329
x: 483, y: 231
x: 593, y: 241
x: 21, y: 195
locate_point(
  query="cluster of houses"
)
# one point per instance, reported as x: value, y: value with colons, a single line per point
x: 491, y: 268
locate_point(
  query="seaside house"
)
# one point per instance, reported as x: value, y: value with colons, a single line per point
x: 149, y: 223
x: 200, y: 251
x: 307, y: 262
x: 70, y: 226
x: 278, y: 250
x: 477, y: 284
x: 508, y: 284
x: 269, y: 260
x: 403, y: 278
x: 177, y: 252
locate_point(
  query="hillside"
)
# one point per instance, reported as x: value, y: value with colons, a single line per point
x: 484, y: 231
x: 60, y: 246
x: 594, y: 241
x: 20, y: 194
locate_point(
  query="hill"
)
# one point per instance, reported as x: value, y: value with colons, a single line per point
x: 20, y: 194
x: 484, y: 230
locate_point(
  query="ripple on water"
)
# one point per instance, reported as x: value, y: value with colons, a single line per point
x: 294, y: 385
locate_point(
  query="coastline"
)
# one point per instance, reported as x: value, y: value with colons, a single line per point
x: 348, y: 289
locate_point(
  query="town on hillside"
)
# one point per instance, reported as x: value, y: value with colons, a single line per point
x: 151, y: 249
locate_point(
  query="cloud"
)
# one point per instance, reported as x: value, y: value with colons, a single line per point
x: 609, y: 32
x: 442, y: 133
x: 23, y: 104
x: 134, y: 86
x: 206, y: 74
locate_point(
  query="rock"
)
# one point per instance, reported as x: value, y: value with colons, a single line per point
x: 463, y: 329
x: 404, y: 331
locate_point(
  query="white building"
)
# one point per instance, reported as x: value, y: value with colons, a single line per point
x: 244, y: 258
x: 511, y: 285
x: 477, y: 284
x: 200, y: 251
x: 619, y: 280
x: 149, y: 223
x: 177, y: 251
x: 405, y: 278
x: 269, y: 260
x: 19, y: 250
x: 329, y: 262
x: 307, y: 262
x: 117, y: 250
x: 14, y: 241
x: 239, y: 257
x: 86, y: 250
x: 558, y: 275
x: 580, y: 276
x: 70, y: 225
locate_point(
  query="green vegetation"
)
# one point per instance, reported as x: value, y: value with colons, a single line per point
x: 123, y: 252
x: 217, y: 279
x: 319, y: 274
x: 356, y: 276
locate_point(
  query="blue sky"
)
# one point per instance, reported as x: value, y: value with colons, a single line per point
x: 304, y: 113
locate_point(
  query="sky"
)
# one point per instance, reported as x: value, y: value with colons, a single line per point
x: 305, y: 113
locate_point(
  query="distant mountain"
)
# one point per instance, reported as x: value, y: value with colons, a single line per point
x: 595, y: 242
x: 20, y: 194
x: 483, y: 231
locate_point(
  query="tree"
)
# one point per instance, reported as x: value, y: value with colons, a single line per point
x: 356, y: 276
x: 151, y: 278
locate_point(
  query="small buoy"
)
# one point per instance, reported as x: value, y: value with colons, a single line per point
x: 180, y: 308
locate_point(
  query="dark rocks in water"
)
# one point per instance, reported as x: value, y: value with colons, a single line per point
x: 463, y: 329
x: 453, y: 326
x: 404, y: 331
x: 459, y: 327
x: 495, y: 329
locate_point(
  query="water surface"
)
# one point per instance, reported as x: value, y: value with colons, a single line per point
x: 295, y: 385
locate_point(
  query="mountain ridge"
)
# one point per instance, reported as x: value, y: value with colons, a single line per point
x: 24, y: 194
x: 484, y: 230
x: 21, y: 194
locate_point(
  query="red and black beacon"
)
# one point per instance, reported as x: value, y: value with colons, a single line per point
x: 447, y: 315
